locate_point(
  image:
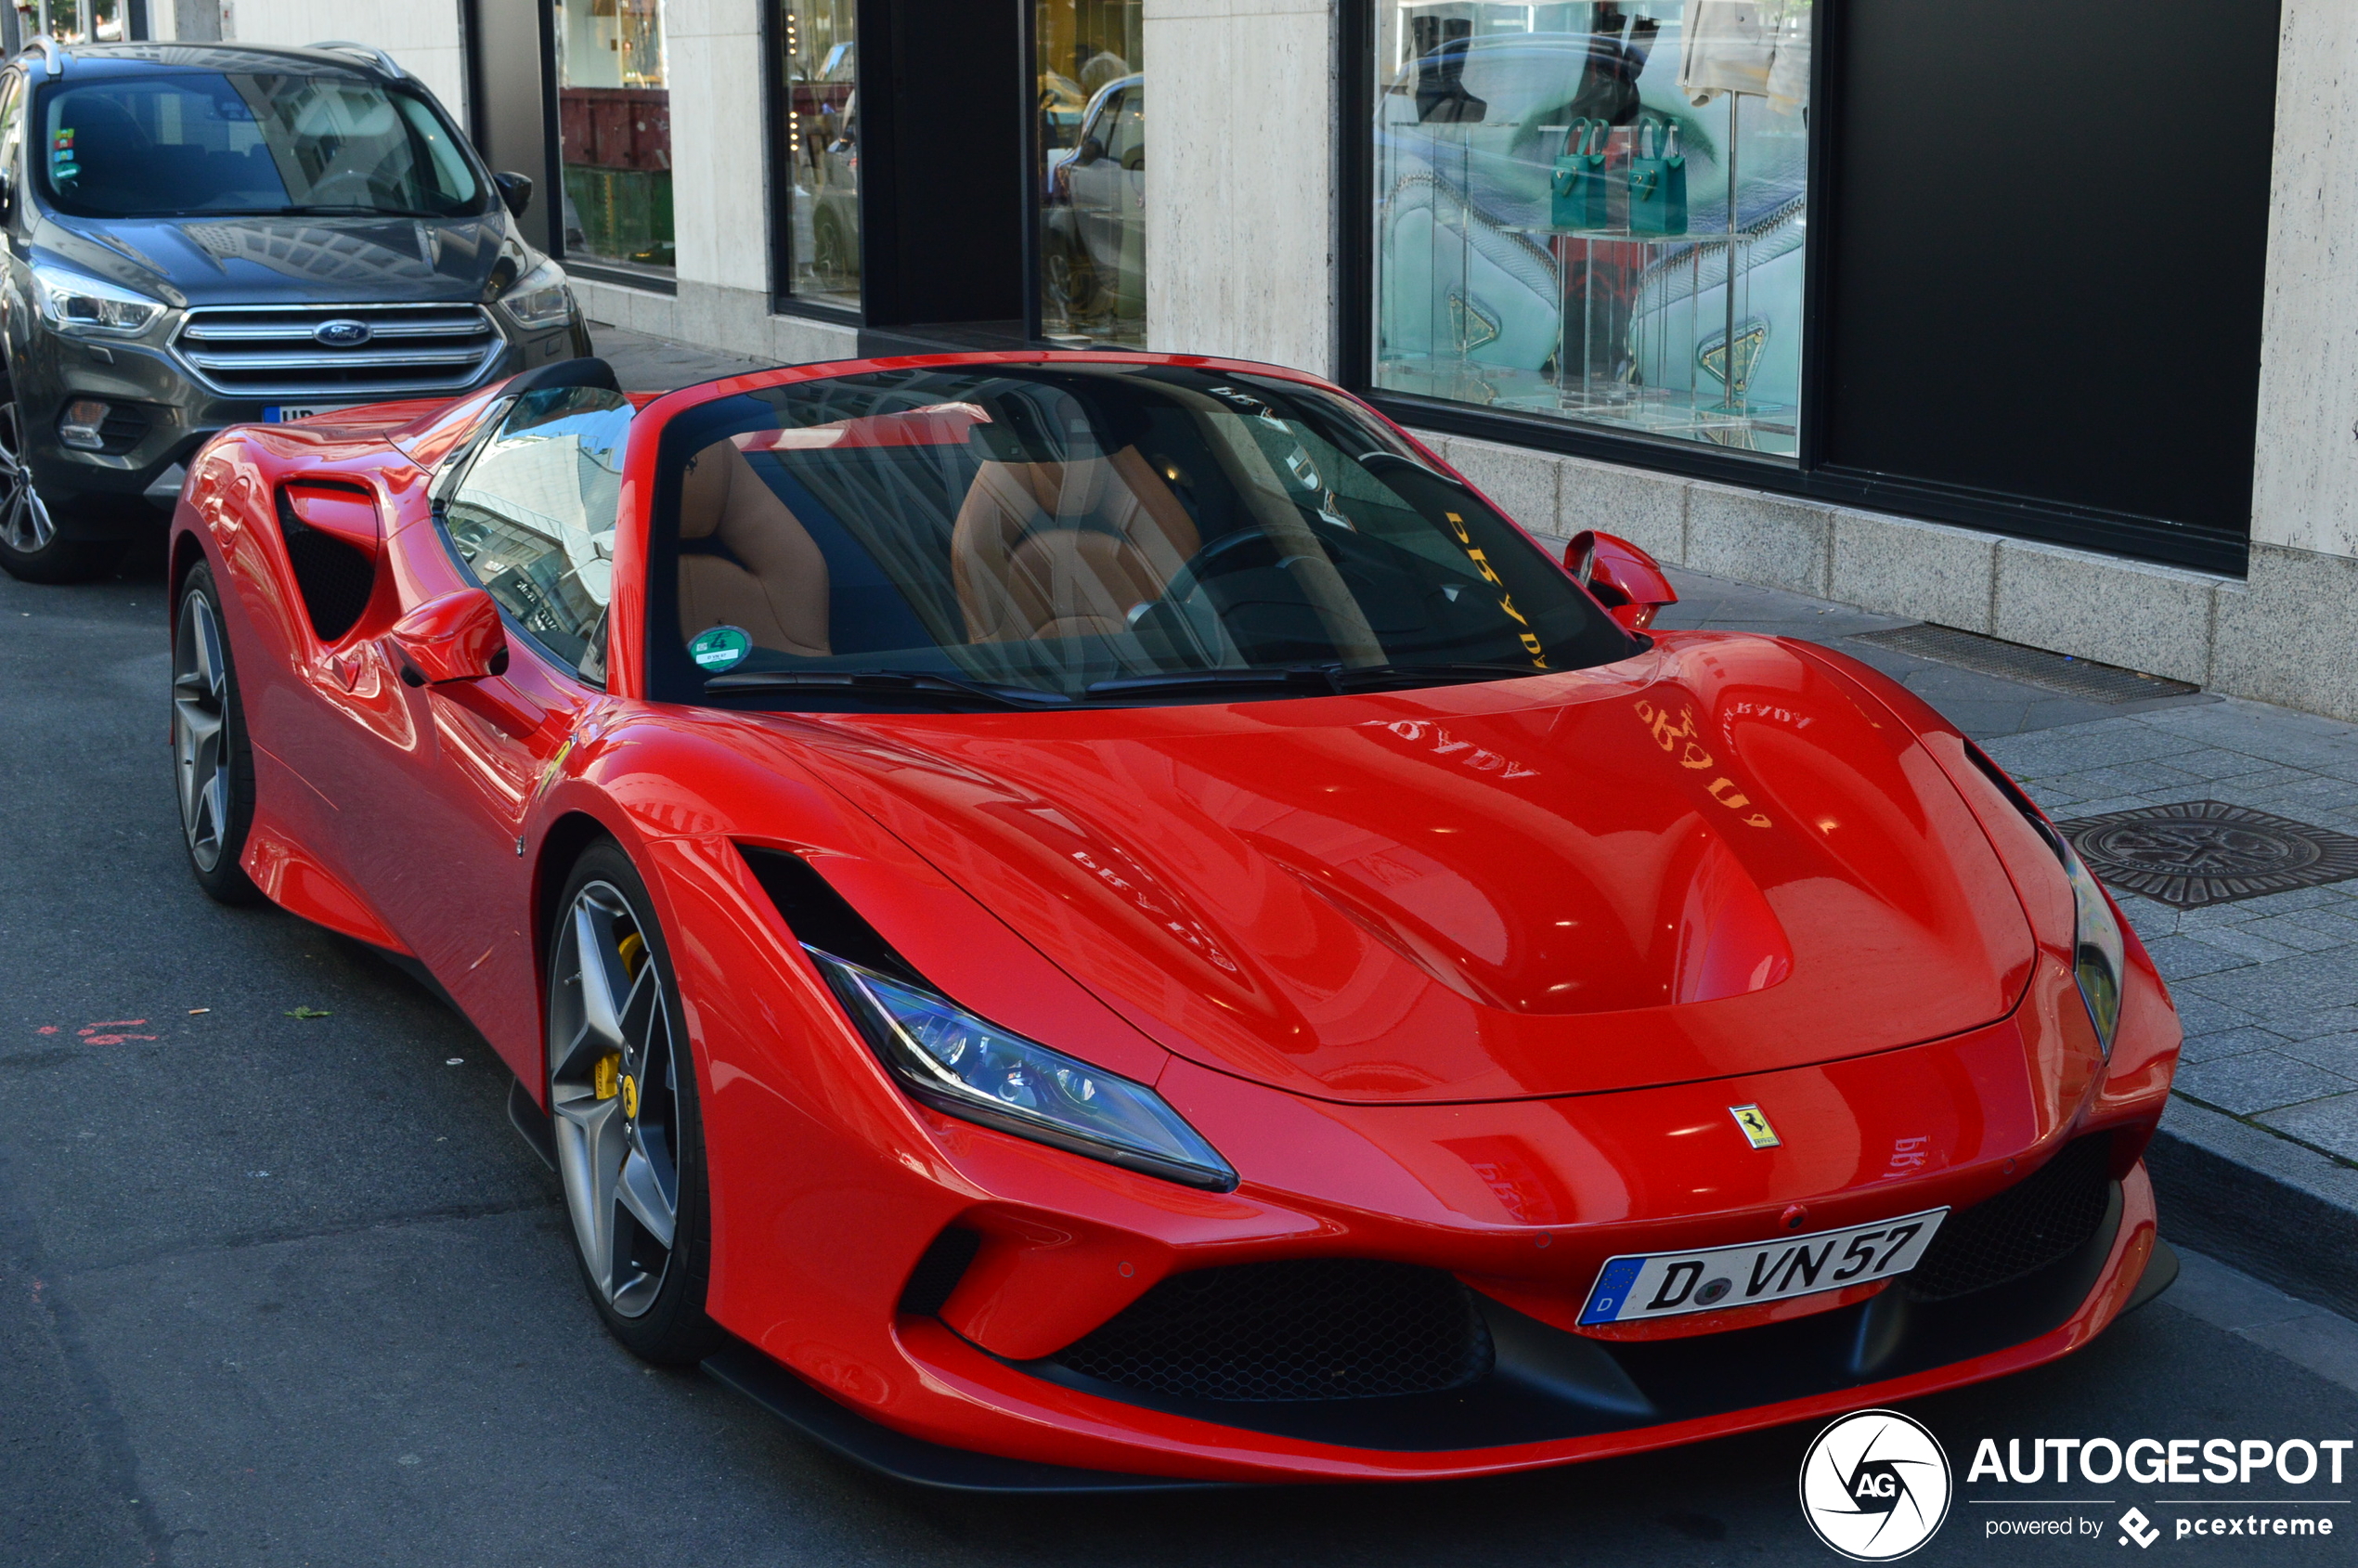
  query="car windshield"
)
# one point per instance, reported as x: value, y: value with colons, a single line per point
x: 206, y: 142
x: 1069, y: 532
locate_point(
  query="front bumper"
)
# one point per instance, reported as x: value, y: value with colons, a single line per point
x: 116, y: 493
x: 824, y: 1225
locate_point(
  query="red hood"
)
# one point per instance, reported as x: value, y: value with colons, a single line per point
x: 1713, y: 859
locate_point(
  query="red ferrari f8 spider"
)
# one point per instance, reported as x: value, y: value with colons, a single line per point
x: 1078, y: 920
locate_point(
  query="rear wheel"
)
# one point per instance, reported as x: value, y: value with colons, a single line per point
x: 212, y: 764
x: 31, y: 548
x: 622, y: 1103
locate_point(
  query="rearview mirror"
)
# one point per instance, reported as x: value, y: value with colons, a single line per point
x: 516, y: 189
x: 1626, y: 580
x: 455, y: 637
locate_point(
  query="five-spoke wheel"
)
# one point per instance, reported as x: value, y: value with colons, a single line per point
x: 213, y: 768
x: 31, y: 545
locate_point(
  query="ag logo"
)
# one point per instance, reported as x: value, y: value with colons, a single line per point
x: 1875, y: 1485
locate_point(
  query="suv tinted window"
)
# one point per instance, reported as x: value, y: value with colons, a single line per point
x: 532, y: 514
x: 206, y: 142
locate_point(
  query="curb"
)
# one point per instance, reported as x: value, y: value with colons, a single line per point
x: 2277, y: 1209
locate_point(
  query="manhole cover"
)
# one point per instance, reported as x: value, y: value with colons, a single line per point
x: 2209, y: 852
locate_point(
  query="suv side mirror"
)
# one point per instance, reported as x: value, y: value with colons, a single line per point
x: 1091, y: 150
x: 455, y: 637
x: 516, y: 189
x: 1626, y: 580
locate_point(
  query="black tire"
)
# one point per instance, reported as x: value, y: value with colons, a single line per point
x: 651, y: 1091
x: 211, y: 758
x: 35, y: 542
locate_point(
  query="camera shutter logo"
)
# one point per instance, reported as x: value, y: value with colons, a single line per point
x: 1875, y: 1485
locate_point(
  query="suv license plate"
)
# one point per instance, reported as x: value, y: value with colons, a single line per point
x: 280, y: 414
x: 1668, y: 1284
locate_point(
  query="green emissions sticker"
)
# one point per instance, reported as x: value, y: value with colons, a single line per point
x: 724, y: 647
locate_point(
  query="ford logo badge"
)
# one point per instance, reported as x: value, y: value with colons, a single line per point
x: 342, y: 332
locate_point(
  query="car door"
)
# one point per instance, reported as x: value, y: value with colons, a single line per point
x: 1094, y: 178
x: 527, y: 514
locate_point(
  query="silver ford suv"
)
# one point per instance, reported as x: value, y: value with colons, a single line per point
x: 204, y: 235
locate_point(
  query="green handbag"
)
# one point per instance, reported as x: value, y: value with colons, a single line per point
x: 1658, y: 183
x: 1581, y: 194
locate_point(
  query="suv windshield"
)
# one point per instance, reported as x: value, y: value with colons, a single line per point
x: 213, y: 143
x: 1061, y: 532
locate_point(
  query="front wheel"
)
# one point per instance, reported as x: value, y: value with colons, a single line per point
x: 622, y: 1104
x: 30, y: 547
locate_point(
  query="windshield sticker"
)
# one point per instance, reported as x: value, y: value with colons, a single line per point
x: 722, y: 648
x: 61, y: 161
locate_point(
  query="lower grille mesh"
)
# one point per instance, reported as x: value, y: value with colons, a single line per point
x: 1309, y: 1329
x: 2041, y: 1218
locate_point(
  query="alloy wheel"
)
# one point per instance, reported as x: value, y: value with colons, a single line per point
x: 24, y: 520
x: 613, y: 1098
x: 200, y: 731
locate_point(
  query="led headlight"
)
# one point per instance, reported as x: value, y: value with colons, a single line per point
x: 965, y: 1067
x: 541, y: 297
x: 73, y: 302
x: 2099, y: 958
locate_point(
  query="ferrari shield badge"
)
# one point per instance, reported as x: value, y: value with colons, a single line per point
x: 722, y: 648
x: 1754, y: 1124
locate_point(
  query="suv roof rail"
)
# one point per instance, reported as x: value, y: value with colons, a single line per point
x: 53, y: 55
x: 384, y: 62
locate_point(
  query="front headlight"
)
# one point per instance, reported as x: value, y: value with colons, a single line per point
x: 965, y: 1067
x: 2099, y: 959
x: 76, y: 303
x: 540, y: 298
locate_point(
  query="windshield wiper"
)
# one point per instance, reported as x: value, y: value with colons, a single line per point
x: 904, y: 683
x: 1307, y: 680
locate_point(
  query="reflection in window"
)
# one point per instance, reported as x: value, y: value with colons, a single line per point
x: 1596, y: 211
x: 1090, y: 75
x: 614, y: 109
x: 819, y: 40
x: 533, y: 516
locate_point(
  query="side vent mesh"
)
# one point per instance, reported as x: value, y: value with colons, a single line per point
x: 2049, y: 1212
x: 334, y: 579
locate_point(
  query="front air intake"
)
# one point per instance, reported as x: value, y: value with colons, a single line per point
x: 2048, y: 1214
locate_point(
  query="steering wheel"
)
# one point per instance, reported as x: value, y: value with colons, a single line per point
x: 1202, y: 563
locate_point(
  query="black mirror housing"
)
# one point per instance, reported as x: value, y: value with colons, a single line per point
x: 516, y: 189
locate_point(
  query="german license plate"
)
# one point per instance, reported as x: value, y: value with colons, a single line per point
x: 1668, y: 1284
x: 280, y: 414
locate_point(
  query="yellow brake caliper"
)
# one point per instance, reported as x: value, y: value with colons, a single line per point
x: 607, y: 1076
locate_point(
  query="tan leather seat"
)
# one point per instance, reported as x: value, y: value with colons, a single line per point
x: 1066, y: 550
x: 775, y: 587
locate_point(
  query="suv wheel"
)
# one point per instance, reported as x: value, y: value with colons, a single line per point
x: 30, y: 547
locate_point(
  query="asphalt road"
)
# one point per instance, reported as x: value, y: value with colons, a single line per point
x: 281, y: 1291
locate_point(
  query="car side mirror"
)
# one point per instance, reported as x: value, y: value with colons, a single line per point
x: 1091, y: 150
x: 516, y: 189
x: 455, y: 637
x: 1626, y: 580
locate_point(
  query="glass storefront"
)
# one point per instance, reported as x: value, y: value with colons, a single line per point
x: 614, y: 109
x: 1596, y: 211
x: 819, y: 43
x: 1089, y: 65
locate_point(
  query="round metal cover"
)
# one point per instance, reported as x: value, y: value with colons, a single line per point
x: 2206, y: 853
x: 342, y: 332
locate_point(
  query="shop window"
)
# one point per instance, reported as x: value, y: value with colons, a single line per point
x: 819, y: 51
x: 1089, y: 59
x: 614, y: 110
x: 1595, y: 211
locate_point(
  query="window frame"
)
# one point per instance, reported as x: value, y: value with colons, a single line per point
x: 1809, y: 476
x: 778, y: 182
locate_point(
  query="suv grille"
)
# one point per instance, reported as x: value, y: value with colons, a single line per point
x: 1310, y: 1328
x: 274, y: 351
x: 2048, y: 1213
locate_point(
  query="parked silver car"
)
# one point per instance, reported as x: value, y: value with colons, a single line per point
x: 201, y: 235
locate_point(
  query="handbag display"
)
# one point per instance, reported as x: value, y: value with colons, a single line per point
x: 1581, y: 195
x: 1657, y: 182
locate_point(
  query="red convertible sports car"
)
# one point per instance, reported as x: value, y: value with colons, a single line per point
x: 1099, y: 921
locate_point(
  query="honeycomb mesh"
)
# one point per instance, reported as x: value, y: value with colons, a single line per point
x: 2041, y: 1218
x: 1310, y: 1328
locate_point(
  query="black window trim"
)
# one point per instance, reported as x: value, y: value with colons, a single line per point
x: 777, y: 194
x: 1807, y: 477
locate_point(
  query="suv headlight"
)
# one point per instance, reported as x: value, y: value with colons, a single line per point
x: 965, y: 1067
x: 76, y: 303
x: 2099, y: 958
x: 541, y: 297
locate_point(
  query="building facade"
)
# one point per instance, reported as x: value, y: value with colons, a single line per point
x: 2039, y: 321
